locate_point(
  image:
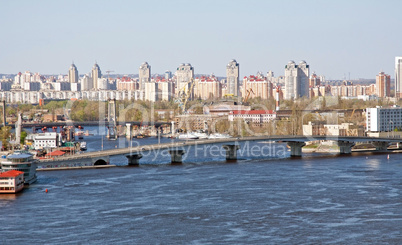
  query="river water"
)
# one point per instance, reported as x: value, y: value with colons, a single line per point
x: 317, y: 199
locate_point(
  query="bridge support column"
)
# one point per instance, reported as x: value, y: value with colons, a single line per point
x: 134, y: 159
x: 381, y: 145
x: 296, y: 148
x: 231, y: 152
x: 176, y: 155
x: 345, y: 147
x: 128, y: 131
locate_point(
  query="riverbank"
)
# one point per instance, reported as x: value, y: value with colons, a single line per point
x: 72, y: 168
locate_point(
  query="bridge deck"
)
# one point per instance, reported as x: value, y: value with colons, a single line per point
x: 122, y: 151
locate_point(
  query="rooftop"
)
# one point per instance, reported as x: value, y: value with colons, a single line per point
x: 11, y: 173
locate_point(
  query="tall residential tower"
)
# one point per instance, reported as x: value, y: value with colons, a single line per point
x: 73, y: 74
x: 398, y: 77
x: 184, y: 75
x: 383, y: 85
x: 144, y: 74
x: 296, y: 80
x: 96, y: 75
x: 232, y: 77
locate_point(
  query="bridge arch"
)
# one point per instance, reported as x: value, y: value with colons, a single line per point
x: 100, y: 162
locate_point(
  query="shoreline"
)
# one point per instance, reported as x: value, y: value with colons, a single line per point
x: 73, y: 168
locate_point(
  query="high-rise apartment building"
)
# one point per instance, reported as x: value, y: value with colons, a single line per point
x: 314, y: 80
x: 73, y: 74
x: 86, y: 83
x: 398, y: 77
x: 296, y: 80
x: 383, y: 85
x: 184, y: 75
x: 127, y: 83
x: 207, y: 87
x: 165, y: 90
x: 144, y: 74
x: 151, y: 91
x: 168, y: 75
x: 96, y: 74
x: 232, y: 78
x: 257, y: 86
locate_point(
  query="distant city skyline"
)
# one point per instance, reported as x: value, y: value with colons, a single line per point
x: 335, y: 38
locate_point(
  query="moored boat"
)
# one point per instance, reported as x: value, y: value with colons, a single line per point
x: 187, y: 136
x: 21, y: 161
x: 83, y: 146
x: 219, y: 136
x: 201, y: 135
x: 11, y: 181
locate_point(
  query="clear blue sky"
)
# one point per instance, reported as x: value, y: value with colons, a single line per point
x: 334, y: 37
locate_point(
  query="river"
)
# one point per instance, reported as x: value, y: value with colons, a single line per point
x: 317, y: 199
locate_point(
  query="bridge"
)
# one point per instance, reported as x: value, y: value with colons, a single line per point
x: 295, y: 144
x: 86, y: 123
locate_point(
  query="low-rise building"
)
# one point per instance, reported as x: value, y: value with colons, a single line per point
x: 195, y: 122
x: 254, y: 116
x: 46, y: 140
x: 381, y: 119
x: 224, y: 108
x: 343, y: 129
x: 11, y: 181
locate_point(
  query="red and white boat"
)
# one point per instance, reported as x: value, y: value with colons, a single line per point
x: 11, y: 181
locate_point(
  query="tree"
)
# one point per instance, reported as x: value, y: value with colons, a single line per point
x: 24, y: 134
x: 5, y: 133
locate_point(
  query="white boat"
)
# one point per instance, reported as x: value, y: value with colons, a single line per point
x: 188, y: 136
x: 219, y: 136
x: 21, y: 161
x: 200, y: 135
x: 83, y: 146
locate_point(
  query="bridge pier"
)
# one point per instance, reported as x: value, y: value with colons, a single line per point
x: 381, y: 145
x: 128, y: 131
x: 111, y: 133
x: 296, y: 148
x: 231, y: 152
x: 134, y: 159
x: 176, y: 155
x: 345, y: 147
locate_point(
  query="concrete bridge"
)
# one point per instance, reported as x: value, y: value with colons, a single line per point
x: 74, y: 161
x: 87, y: 123
x: 295, y: 144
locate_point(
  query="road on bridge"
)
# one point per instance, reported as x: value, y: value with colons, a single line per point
x: 174, y: 145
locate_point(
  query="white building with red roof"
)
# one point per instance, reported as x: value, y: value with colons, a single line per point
x: 127, y: 84
x: 207, y: 87
x: 11, y: 181
x: 258, y: 86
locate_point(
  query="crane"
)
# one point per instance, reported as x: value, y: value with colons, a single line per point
x: 184, y: 95
x: 108, y: 73
x: 248, y: 91
x: 188, y: 94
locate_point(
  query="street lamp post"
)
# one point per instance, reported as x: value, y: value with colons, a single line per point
x: 392, y: 128
x: 159, y: 135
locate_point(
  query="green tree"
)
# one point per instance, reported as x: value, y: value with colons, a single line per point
x: 5, y: 133
x: 24, y: 134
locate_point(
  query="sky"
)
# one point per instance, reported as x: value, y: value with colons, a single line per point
x: 338, y: 39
